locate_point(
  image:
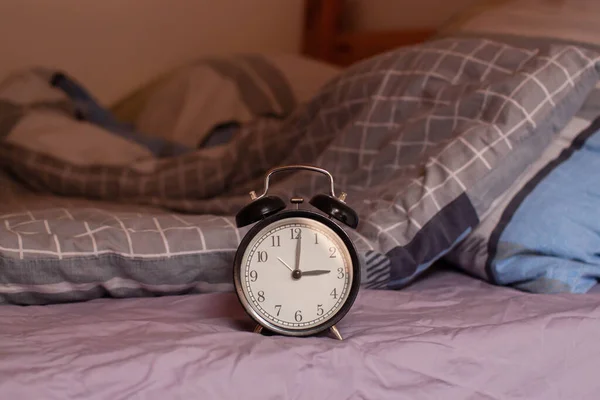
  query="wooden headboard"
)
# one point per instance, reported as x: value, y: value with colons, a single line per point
x: 326, y: 36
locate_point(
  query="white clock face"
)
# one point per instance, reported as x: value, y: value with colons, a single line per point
x: 296, y: 273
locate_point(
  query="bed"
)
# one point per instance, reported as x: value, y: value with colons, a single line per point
x: 469, y: 154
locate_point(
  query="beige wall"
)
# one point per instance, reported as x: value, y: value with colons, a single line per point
x: 113, y: 45
x: 392, y: 14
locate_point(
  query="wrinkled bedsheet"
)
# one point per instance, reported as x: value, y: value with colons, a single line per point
x: 446, y: 337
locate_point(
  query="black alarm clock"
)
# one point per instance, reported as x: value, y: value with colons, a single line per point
x: 296, y: 272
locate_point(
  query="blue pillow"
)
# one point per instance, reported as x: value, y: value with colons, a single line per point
x: 545, y: 236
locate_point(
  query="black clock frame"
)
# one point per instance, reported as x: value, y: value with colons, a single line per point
x: 354, y: 287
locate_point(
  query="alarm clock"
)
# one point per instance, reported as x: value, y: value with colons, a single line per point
x: 296, y: 272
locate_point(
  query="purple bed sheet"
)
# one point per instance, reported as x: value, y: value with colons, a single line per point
x: 447, y: 337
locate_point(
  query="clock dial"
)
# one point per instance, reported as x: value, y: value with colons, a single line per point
x: 296, y: 273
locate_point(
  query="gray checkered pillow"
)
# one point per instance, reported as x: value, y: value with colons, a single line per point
x: 424, y: 140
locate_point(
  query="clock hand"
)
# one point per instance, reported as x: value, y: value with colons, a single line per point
x: 298, y: 248
x: 315, y: 272
x: 284, y: 263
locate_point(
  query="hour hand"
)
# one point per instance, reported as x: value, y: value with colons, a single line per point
x: 315, y: 272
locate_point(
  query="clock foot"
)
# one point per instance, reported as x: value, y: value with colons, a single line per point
x: 258, y: 329
x: 334, y: 330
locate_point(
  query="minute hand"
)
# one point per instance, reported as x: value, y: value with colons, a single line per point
x: 298, y: 249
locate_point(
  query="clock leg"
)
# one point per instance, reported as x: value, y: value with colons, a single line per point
x: 258, y: 329
x: 334, y: 330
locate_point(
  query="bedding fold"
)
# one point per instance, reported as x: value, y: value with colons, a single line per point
x: 424, y: 140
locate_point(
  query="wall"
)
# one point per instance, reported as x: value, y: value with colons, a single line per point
x: 114, y: 45
x: 393, y: 14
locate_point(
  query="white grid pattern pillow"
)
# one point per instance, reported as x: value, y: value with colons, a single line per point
x: 424, y: 140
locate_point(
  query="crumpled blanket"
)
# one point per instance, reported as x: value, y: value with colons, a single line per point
x: 423, y: 140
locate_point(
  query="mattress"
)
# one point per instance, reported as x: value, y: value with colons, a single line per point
x: 448, y: 336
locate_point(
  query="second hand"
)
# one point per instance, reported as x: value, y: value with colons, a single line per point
x: 284, y: 263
